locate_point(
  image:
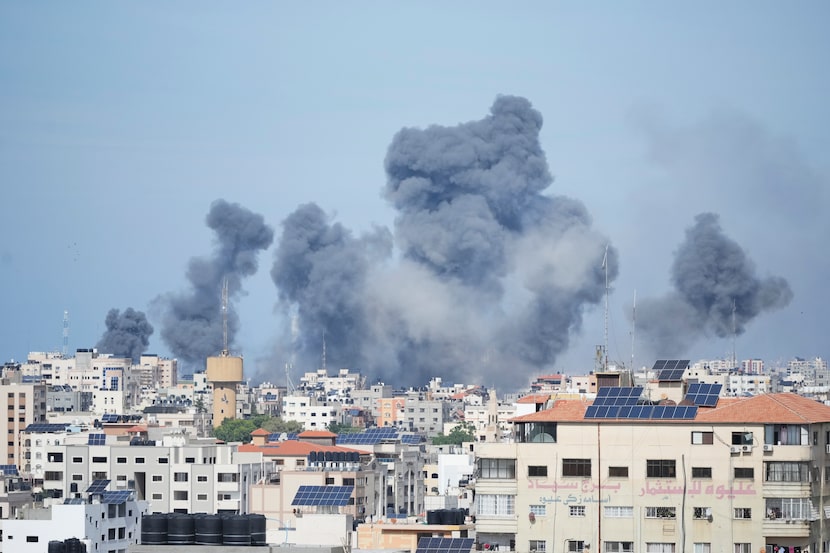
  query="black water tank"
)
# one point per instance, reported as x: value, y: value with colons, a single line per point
x: 257, y: 523
x: 208, y: 529
x: 459, y: 516
x: 329, y: 456
x: 447, y: 516
x: 312, y: 457
x: 236, y: 530
x: 56, y: 546
x: 180, y: 529
x: 340, y: 456
x: 154, y: 529
x: 74, y: 545
x: 434, y: 517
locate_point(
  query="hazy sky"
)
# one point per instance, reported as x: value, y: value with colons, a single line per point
x: 122, y: 123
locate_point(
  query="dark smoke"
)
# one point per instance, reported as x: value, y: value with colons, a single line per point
x: 493, y: 275
x: 192, y: 321
x: 127, y: 335
x: 711, y: 274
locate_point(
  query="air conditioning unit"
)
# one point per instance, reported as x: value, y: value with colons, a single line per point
x: 827, y: 448
x: 767, y: 447
x: 746, y: 448
x: 735, y: 449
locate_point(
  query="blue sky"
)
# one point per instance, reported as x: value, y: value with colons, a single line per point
x: 120, y: 124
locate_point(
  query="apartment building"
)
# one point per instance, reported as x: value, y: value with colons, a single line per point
x: 175, y: 474
x: 739, y: 475
x: 312, y: 412
x: 25, y: 404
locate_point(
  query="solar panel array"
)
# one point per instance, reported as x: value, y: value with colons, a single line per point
x: 110, y: 417
x: 445, y: 545
x: 116, y: 498
x: 280, y: 436
x: 98, y: 486
x: 323, y: 495
x: 96, y: 439
x: 46, y: 427
x: 704, y: 395
x: 670, y: 370
x: 375, y: 435
x: 9, y: 470
x: 73, y: 501
x: 616, y: 402
x: 413, y: 439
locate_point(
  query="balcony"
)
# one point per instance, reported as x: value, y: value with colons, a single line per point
x: 785, y: 528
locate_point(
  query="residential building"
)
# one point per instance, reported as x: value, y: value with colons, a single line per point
x: 25, y: 404
x: 711, y: 474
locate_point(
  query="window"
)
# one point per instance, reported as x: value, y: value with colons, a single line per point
x: 701, y: 513
x: 201, y: 497
x: 179, y: 477
x: 76, y: 477
x: 539, y: 510
x: 223, y: 496
x: 789, y: 508
x: 617, y: 511
x: 661, y: 512
x: 190, y: 460
x: 121, y: 477
x: 163, y: 460
x: 659, y: 548
x: 742, y: 438
x: 743, y: 548
x: 537, y: 470
x: 77, y: 460
x: 576, y: 467
x: 576, y: 510
x: 703, y: 438
x: 745, y: 472
x: 99, y: 459
x: 619, y: 547
x: 139, y: 460
x: 497, y: 468
x: 157, y: 496
x: 121, y: 460
x: 777, y: 471
x: 329, y: 481
x: 701, y: 472
x: 180, y: 495
x: 32, y: 539
x: 576, y: 546
x: 660, y: 468
x: 157, y: 478
x: 618, y: 472
x: 538, y: 545
x: 702, y: 548
x: 227, y: 477
x: 743, y: 512
x: 202, y: 478
x: 496, y: 505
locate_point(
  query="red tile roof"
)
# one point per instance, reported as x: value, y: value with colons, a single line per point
x: 260, y: 432
x: 534, y: 398
x: 291, y: 448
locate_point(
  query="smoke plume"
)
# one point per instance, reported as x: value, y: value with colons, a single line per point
x: 127, y: 335
x: 716, y: 292
x: 492, y: 276
x: 192, y: 321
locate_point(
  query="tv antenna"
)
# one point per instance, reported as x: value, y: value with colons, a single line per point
x: 225, y: 351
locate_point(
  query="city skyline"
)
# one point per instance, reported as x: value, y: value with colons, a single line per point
x: 122, y: 127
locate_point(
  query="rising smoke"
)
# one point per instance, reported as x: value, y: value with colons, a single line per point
x: 716, y: 292
x: 192, y: 324
x: 127, y: 335
x: 492, y: 278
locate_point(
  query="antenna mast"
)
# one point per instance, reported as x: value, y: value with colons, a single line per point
x: 605, y: 266
x: 633, y: 328
x: 65, y: 333
x: 324, y: 351
x: 734, y: 334
x: 225, y: 352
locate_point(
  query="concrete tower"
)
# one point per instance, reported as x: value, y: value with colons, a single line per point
x: 224, y: 372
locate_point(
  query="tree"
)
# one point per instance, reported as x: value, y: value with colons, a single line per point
x: 199, y: 404
x: 235, y: 430
x: 464, y: 432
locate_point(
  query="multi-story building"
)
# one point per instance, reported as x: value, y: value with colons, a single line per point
x: 424, y: 414
x: 621, y: 476
x: 175, y: 474
x: 313, y: 413
x: 370, y: 398
x: 392, y: 411
x: 156, y: 372
x: 25, y: 404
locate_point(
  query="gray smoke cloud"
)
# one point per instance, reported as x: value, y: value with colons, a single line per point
x: 489, y: 277
x: 192, y: 321
x: 716, y: 292
x: 127, y: 335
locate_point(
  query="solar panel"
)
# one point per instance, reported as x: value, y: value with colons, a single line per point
x: 412, y: 439
x: 97, y: 439
x: 704, y: 395
x: 323, y: 495
x: 9, y: 470
x: 73, y: 501
x: 42, y: 427
x: 445, y: 545
x: 670, y: 370
x: 98, y: 486
x: 641, y: 412
x: 117, y: 497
